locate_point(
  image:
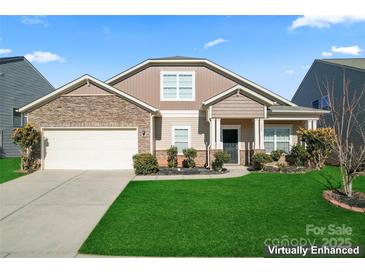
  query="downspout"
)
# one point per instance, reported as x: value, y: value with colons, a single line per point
x: 209, y: 114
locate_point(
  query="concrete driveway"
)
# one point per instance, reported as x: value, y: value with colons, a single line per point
x: 51, y: 213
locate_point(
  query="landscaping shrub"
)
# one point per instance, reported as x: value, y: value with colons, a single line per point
x: 28, y: 138
x: 298, y: 156
x: 172, y: 157
x: 145, y: 163
x: 190, y: 154
x: 319, y: 144
x: 259, y: 159
x: 221, y: 157
x: 275, y: 154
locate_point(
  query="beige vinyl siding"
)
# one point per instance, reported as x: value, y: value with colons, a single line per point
x: 238, y: 106
x: 145, y: 85
x: 87, y: 90
x: 199, y: 131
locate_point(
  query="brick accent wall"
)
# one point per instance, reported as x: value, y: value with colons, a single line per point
x: 200, y: 160
x: 94, y: 111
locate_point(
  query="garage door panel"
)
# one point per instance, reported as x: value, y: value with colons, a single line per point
x: 89, y: 149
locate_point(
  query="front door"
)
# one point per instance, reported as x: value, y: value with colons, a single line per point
x: 230, y: 144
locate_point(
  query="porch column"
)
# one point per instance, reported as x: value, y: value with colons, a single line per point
x: 212, y: 133
x: 259, y: 133
x: 261, y: 122
x: 218, y: 133
x: 311, y: 124
x: 314, y: 124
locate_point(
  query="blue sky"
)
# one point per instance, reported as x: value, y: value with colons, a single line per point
x: 273, y: 51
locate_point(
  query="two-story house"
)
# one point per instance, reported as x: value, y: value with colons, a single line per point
x: 333, y: 74
x: 180, y: 101
x: 20, y: 83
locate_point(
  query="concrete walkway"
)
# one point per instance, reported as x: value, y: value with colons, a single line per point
x: 51, y: 213
x: 234, y: 171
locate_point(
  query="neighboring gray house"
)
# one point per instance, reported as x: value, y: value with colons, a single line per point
x: 311, y: 92
x: 20, y: 83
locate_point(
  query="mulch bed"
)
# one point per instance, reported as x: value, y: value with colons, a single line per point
x: 338, y: 198
x: 286, y: 169
x: 189, y: 171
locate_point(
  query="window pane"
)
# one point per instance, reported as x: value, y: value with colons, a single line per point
x: 315, y: 104
x: 169, y: 80
x: 185, y: 93
x: 269, y: 134
x: 17, y: 118
x: 170, y: 93
x: 269, y: 146
x: 181, y: 135
x: 283, y: 146
x: 185, y: 80
x: 282, y: 134
x: 325, y: 102
x: 180, y: 146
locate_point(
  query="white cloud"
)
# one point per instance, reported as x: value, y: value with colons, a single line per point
x: 305, y: 67
x: 44, y: 57
x: 351, y: 50
x: 326, y: 54
x: 289, y: 72
x: 316, y: 21
x: 214, y: 43
x: 5, y: 51
x: 34, y: 20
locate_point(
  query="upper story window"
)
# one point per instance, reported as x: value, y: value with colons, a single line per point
x: 315, y: 104
x: 325, y: 102
x: 177, y: 86
x: 17, y: 118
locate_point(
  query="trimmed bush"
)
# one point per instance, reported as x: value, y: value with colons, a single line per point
x: 320, y: 143
x: 172, y: 157
x: 275, y: 154
x: 298, y: 156
x: 221, y: 157
x: 190, y: 154
x: 259, y: 159
x: 145, y: 163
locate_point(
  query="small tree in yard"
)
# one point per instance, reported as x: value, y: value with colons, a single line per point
x: 347, y: 120
x: 190, y: 155
x: 172, y: 157
x: 319, y: 144
x: 27, y: 138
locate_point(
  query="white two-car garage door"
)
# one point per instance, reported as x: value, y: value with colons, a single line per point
x: 89, y: 148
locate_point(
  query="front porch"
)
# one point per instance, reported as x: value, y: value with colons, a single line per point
x: 240, y: 138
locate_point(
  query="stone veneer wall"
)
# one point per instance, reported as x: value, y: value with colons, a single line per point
x: 200, y: 160
x: 94, y: 111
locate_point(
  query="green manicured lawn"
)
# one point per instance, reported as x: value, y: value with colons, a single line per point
x: 8, y: 166
x: 220, y: 217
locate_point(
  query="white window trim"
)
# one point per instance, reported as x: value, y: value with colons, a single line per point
x: 173, y: 135
x: 12, y: 116
x: 238, y: 128
x: 162, y: 73
x: 275, y: 126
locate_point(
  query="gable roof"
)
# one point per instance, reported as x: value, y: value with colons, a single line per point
x: 78, y: 82
x: 190, y: 60
x: 5, y: 60
x: 236, y: 89
x: 356, y: 63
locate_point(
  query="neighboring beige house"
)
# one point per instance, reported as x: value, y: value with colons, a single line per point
x: 186, y: 102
